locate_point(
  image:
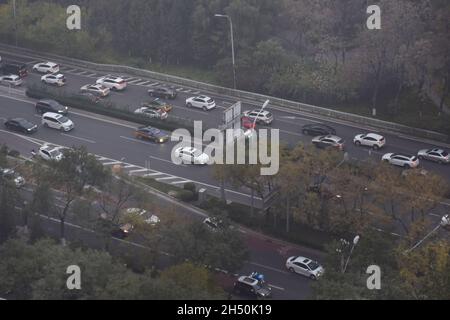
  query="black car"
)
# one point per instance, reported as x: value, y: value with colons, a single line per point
x: 251, y: 288
x: 21, y: 125
x: 16, y: 68
x: 162, y: 92
x: 318, y: 130
x: 44, y: 106
x: 153, y: 134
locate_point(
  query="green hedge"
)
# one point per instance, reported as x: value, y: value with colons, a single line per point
x: 79, y: 101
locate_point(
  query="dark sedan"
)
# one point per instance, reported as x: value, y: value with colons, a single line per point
x: 153, y: 134
x: 318, y: 130
x: 162, y: 92
x: 21, y: 125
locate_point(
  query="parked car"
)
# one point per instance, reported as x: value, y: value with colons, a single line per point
x: 113, y: 83
x: 437, y: 155
x: 58, y: 80
x: 251, y: 288
x: 151, y: 113
x: 372, y: 140
x: 158, y: 105
x: 304, y: 266
x: 153, y: 134
x: 402, y: 160
x: 122, y: 231
x: 12, y: 80
x: 201, y: 102
x: 318, y: 129
x: 47, y: 105
x: 330, y: 141
x: 162, y: 92
x: 46, y: 67
x: 97, y: 89
x: 213, y: 224
x: 57, y: 121
x: 21, y: 125
x: 191, y: 155
x: 11, y: 175
x: 51, y: 153
x: 16, y: 68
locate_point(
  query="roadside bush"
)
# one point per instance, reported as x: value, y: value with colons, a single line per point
x: 190, y: 186
x: 185, y: 195
x: 14, y: 153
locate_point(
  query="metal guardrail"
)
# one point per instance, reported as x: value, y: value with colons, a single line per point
x: 297, y: 106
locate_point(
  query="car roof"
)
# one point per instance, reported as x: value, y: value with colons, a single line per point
x: 53, y: 115
x: 409, y: 156
x: 438, y: 150
x: 375, y: 136
x: 51, y: 64
x: 248, y: 280
x: 332, y: 137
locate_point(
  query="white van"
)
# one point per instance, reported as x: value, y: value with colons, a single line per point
x: 57, y: 121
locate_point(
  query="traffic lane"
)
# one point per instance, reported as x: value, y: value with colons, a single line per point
x: 102, y: 139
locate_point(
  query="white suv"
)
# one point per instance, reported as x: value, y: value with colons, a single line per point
x: 372, y: 140
x: 401, y: 160
x: 57, y: 121
x: 201, y: 102
x: 113, y: 83
x: 305, y: 267
x: 54, y: 79
x: 51, y: 153
x: 263, y: 117
x: 46, y: 67
x: 12, y: 80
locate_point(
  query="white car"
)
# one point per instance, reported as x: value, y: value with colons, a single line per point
x: 305, y: 267
x: 46, y: 67
x: 437, y: 155
x: 401, y: 160
x: 372, y: 140
x: 96, y: 89
x: 51, y: 153
x: 151, y: 220
x: 57, y: 121
x: 12, y: 176
x: 12, y: 80
x: 201, y: 102
x: 152, y: 113
x: 262, y: 117
x: 191, y: 156
x: 54, y: 79
x: 113, y: 83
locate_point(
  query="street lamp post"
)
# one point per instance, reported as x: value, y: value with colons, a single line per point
x: 445, y: 221
x: 355, y: 242
x: 232, y: 45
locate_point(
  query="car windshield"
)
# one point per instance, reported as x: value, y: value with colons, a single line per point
x: 444, y: 153
x: 413, y: 158
x: 63, y: 119
x: 24, y: 123
x: 210, y: 100
x: 313, y: 265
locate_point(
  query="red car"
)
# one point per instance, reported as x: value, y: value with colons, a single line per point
x: 248, y: 123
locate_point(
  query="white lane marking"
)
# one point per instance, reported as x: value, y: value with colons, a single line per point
x: 167, y: 161
x: 196, y: 92
x: 187, y: 91
x: 139, y: 141
x: 82, y: 73
x: 128, y: 166
x: 275, y: 287
x: 102, y: 159
x: 180, y: 182
x: 145, y: 83
x: 166, y: 178
x: 153, y: 84
x: 32, y: 140
x: 154, y: 174
x: 111, y: 163
x: 280, y: 119
x: 137, y: 171
x: 78, y: 138
x: 141, y: 83
x: 267, y: 267
x: 134, y: 81
x: 71, y: 70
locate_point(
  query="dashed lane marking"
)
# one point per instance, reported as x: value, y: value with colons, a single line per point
x: 78, y: 138
x: 138, y: 171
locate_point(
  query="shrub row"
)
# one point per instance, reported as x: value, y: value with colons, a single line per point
x: 79, y: 101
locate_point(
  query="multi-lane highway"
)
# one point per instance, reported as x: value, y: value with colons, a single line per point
x: 114, y: 141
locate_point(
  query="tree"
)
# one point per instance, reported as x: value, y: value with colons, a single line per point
x: 9, y: 198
